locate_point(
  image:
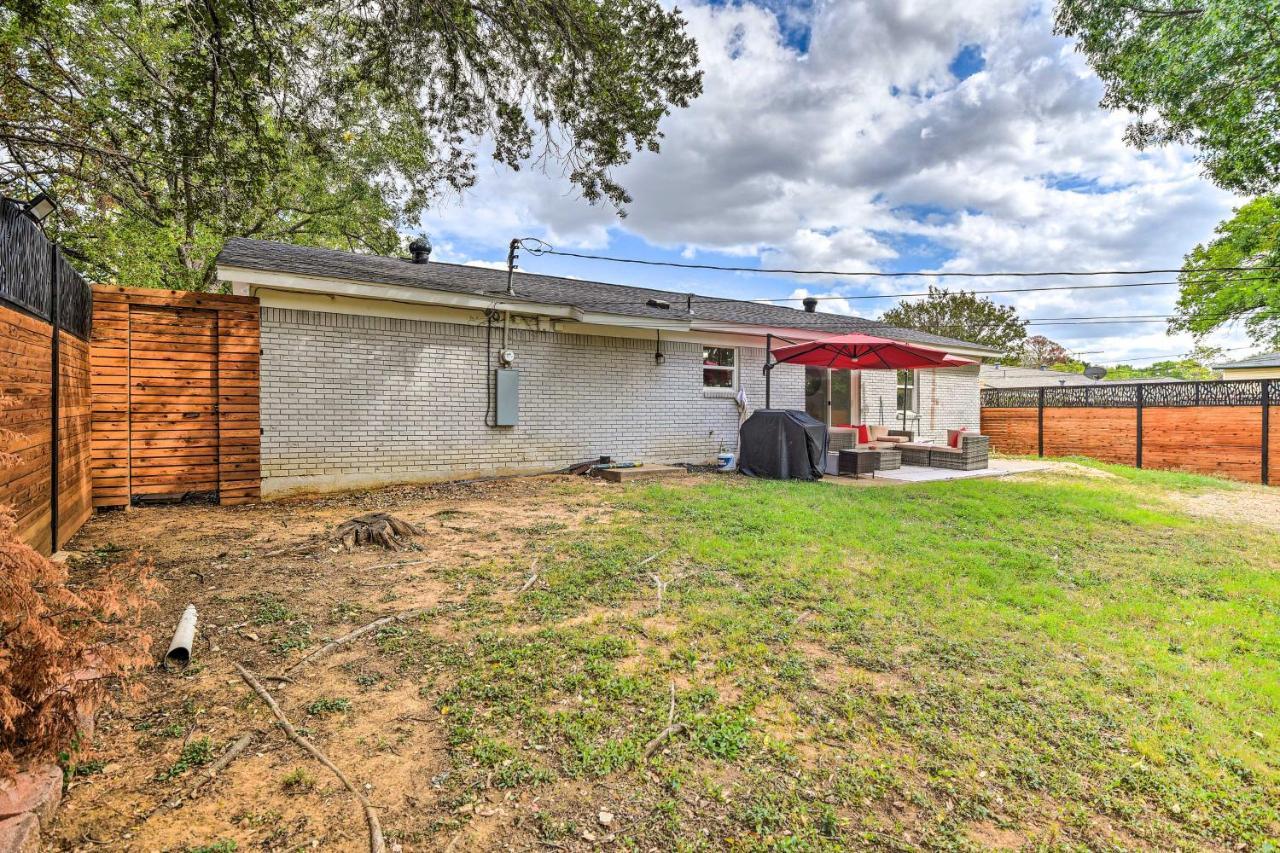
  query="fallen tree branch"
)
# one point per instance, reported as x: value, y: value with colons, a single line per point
x: 376, y: 843
x: 652, y: 747
x: 649, y: 559
x: 344, y: 639
x: 210, y: 773
x: 531, y: 580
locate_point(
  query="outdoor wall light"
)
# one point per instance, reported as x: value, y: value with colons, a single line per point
x: 658, y: 357
x: 40, y: 207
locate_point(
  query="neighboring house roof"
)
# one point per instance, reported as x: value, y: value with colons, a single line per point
x: 577, y: 293
x: 1000, y: 376
x: 1266, y: 359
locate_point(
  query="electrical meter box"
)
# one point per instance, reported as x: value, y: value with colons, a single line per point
x: 508, y: 393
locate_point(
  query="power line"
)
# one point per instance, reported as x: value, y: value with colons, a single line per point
x: 538, y: 251
x: 1176, y: 355
x: 694, y: 299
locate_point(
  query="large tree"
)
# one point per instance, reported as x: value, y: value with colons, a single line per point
x: 1205, y: 73
x: 1209, y: 299
x: 963, y: 315
x: 164, y: 126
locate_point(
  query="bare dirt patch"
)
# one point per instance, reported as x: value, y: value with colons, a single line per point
x: 271, y: 585
x: 1246, y: 505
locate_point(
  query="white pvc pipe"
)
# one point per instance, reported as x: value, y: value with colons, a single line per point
x: 183, y: 639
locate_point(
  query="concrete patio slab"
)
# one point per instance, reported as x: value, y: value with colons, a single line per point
x: 921, y: 474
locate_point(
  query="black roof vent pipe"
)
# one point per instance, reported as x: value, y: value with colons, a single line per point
x: 420, y: 248
x: 810, y: 304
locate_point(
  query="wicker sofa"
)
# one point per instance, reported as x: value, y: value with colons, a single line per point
x: 973, y: 454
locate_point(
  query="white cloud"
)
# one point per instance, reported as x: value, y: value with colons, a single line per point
x: 867, y: 151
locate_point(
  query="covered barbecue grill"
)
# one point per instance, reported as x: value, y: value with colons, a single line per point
x: 782, y: 444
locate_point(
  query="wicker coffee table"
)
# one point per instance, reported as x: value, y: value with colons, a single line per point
x: 858, y: 461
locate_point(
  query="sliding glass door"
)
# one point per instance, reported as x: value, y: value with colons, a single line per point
x: 831, y: 396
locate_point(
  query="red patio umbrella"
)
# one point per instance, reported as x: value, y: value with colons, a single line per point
x: 858, y: 352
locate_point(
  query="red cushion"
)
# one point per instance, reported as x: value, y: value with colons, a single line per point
x: 954, y: 436
x: 864, y: 434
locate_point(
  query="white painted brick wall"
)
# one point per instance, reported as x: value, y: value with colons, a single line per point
x: 946, y: 399
x: 349, y: 401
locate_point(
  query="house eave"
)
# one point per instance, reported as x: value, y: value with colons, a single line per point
x: 247, y: 281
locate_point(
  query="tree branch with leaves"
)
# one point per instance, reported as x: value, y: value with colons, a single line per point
x: 165, y: 126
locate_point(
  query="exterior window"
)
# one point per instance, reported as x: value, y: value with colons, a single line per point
x: 719, y: 367
x: 906, y: 393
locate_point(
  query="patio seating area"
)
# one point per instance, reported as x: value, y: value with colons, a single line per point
x: 922, y: 474
x: 876, y: 449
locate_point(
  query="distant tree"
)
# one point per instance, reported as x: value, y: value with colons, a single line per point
x: 1039, y: 351
x: 1203, y: 73
x: 962, y: 315
x: 164, y: 127
x: 1209, y: 300
x: 1192, y: 367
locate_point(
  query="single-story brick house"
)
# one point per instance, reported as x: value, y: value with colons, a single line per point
x: 379, y: 370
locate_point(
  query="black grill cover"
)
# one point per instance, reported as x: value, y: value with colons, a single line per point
x: 782, y: 444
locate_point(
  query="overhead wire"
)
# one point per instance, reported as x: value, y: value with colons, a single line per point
x: 538, y: 251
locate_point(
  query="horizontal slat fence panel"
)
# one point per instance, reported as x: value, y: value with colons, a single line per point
x: 26, y: 401
x: 175, y: 405
x: 1224, y: 428
x: 1107, y: 434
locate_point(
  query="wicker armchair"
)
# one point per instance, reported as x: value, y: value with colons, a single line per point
x: 973, y: 454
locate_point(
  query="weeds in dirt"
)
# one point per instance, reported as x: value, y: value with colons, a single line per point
x: 225, y: 846
x: 326, y: 705
x: 298, y: 780
x: 197, y: 753
x: 271, y: 611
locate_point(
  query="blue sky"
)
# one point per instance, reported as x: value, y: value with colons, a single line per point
x: 876, y: 134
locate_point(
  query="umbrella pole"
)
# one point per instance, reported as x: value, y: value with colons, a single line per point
x: 768, y: 371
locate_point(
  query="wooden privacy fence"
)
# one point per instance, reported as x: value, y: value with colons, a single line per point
x: 175, y: 395
x: 1223, y: 428
x: 45, y: 314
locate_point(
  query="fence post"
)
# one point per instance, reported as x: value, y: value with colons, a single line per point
x: 53, y: 400
x: 1040, y: 424
x: 1138, y: 405
x: 1266, y: 432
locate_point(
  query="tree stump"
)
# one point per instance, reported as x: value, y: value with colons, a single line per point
x: 377, y: 528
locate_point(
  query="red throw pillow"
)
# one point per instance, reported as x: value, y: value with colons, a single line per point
x: 864, y: 434
x: 954, y: 436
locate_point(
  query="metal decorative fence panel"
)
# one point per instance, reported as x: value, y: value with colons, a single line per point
x: 24, y: 262
x: 1011, y: 398
x: 1228, y: 392
x: 75, y: 302
x: 1091, y: 396
x: 28, y: 279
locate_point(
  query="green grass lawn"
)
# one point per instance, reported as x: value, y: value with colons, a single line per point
x: 1052, y: 661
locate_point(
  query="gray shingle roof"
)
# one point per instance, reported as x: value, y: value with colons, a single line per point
x: 1266, y: 359
x: 586, y: 295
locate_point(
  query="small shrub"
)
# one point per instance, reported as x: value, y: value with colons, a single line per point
x: 51, y: 630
